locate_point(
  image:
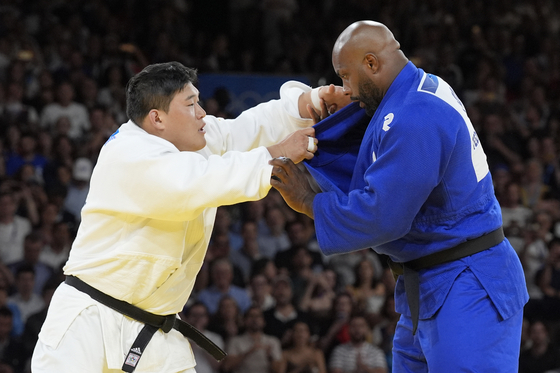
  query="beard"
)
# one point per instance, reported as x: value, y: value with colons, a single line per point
x: 370, y: 95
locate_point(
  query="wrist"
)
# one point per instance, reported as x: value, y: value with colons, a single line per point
x: 315, y: 100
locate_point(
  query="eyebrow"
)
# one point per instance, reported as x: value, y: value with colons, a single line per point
x: 191, y: 96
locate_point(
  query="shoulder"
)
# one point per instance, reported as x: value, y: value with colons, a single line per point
x: 270, y: 339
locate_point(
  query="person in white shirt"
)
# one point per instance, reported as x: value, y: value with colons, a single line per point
x: 357, y: 355
x: 197, y: 316
x: 150, y: 212
x: 26, y: 300
x: 13, y: 229
x: 65, y: 106
x: 56, y: 253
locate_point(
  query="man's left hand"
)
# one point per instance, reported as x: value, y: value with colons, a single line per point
x: 293, y: 185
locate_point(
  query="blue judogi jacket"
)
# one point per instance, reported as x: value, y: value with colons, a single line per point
x: 412, y: 181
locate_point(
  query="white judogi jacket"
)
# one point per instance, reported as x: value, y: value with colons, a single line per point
x: 148, y: 219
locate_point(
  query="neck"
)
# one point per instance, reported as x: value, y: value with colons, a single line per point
x: 284, y: 308
x: 357, y: 344
x: 8, y: 219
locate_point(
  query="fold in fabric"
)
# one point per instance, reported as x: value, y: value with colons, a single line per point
x: 340, y: 136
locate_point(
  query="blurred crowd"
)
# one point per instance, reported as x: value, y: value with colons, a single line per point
x: 63, y: 68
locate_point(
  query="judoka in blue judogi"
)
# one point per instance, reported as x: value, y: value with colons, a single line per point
x: 409, y: 182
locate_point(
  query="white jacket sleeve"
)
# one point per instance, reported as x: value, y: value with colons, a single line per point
x: 264, y: 125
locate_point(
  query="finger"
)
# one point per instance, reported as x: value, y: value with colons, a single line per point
x: 277, y: 162
x: 311, y: 144
x: 316, y: 118
x: 324, y: 109
x: 284, y: 163
x: 309, y: 131
x: 279, y: 172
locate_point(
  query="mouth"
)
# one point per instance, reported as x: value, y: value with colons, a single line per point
x: 201, y: 129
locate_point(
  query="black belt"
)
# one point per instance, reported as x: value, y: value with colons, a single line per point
x: 410, y: 269
x: 153, y: 323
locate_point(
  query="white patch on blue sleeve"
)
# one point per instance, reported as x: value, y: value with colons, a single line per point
x: 433, y: 85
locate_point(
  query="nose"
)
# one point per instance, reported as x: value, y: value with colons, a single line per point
x: 201, y: 113
x: 346, y: 89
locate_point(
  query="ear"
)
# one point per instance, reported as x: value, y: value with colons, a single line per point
x: 371, y: 62
x: 154, y: 121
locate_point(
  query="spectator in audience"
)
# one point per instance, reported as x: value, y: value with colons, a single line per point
x: 301, y: 356
x: 319, y: 295
x: 17, y: 323
x: 260, y: 290
x: 502, y: 147
x: 27, y: 196
x: 344, y: 264
x: 197, y: 316
x: 223, y: 225
x: 228, y: 319
x: 535, y: 252
x: 65, y: 106
x: 111, y: 94
x: 542, y: 356
x: 551, y: 169
x: 56, y: 253
x: 335, y: 330
x: 62, y: 157
x: 302, y: 271
x: 515, y: 216
x: 298, y: 238
x: 32, y: 248
x: 13, y: 229
x: 357, y: 355
x: 16, y: 111
x: 384, y: 330
x: 280, y: 318
x: 276, y: 240
x: 47, y: 218
x: 533, y: 188
x: 98, y: 134
x: 12, y: 352
x: 368, y: 291
x: 253, y: 351
x: 221, y: 273
x: 27, y: 301
x: 249, y: 252
x: 548, y: 280
x: 79, y: 187
x: 36, y: 320
x: 266, y: 267
x: 26, y: 154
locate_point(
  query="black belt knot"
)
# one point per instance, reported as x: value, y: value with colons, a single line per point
x: 410, y: 269
x: 152, y: 323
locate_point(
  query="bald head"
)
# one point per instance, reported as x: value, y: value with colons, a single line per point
x: 366, y: 52
x: 366, y: 36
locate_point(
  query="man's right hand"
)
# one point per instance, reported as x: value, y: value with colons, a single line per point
x: 295, y: 146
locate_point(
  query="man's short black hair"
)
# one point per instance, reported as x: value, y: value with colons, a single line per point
x: 154, y: 88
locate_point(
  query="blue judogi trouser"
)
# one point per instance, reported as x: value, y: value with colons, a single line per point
x: 450, y: 341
